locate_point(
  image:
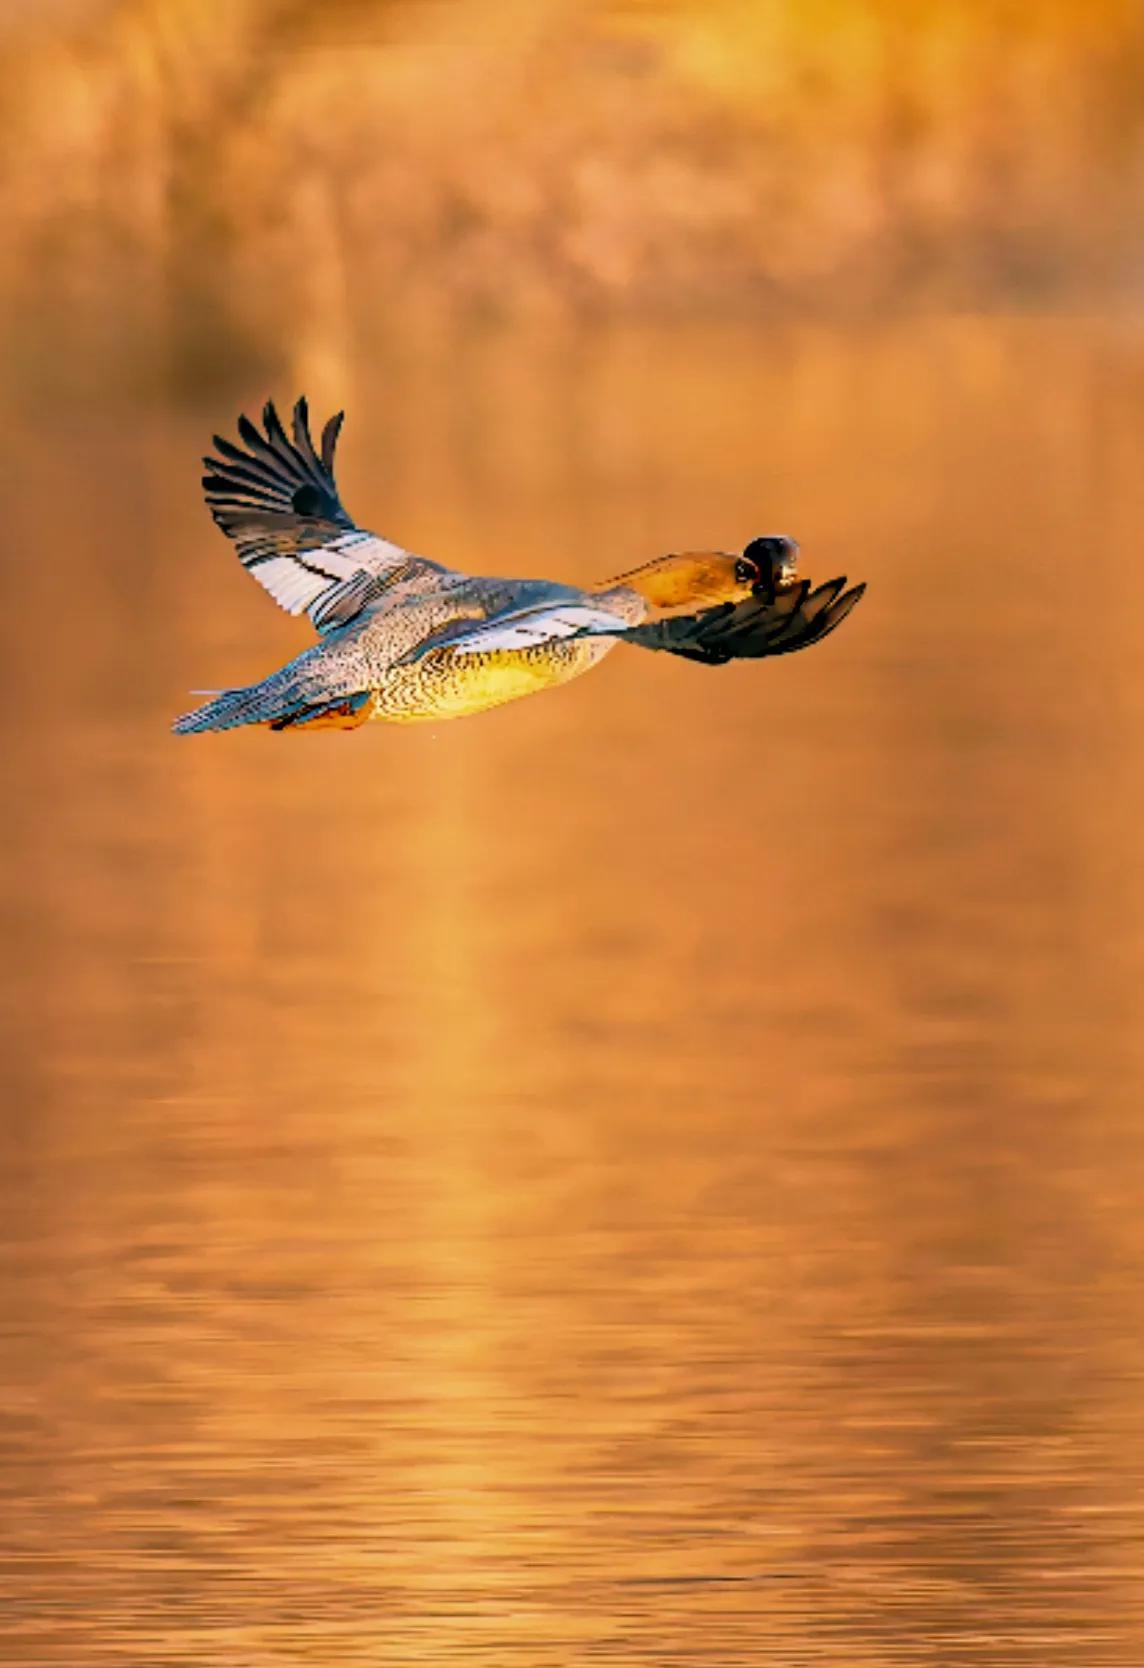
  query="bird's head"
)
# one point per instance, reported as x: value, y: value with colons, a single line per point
x: 702, y: 578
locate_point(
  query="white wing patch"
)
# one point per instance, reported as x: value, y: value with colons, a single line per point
x: 289, y: 583
x: 310, y: 581
x: 547, y: 624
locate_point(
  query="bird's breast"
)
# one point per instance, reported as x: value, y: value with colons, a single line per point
x: 447, y: 685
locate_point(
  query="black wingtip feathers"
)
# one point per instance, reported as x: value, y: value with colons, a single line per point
x: 270, y: 473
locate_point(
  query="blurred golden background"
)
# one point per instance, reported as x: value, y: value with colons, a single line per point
x: 650, y: 1175
x: 263, y: 172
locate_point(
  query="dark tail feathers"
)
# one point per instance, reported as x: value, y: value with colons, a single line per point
x: 291, y: 697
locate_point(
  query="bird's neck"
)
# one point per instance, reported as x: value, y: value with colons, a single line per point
x: 623, y: 599
x: 660, y: 583
x: 669, y: 581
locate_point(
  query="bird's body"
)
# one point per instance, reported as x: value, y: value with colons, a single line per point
x: 405, y: 639
x: 455, y: 687
x: 370, y: 657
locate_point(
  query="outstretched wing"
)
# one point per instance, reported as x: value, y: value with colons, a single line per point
x: 750, y: 630
x: 764, y: 624
x: 278, y: 501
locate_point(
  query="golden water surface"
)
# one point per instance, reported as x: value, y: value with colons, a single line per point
x: 651, y: 1175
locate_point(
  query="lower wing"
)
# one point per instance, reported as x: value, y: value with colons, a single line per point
x: 521, y: 628
x: 750, y: 630
x: 755, y: 628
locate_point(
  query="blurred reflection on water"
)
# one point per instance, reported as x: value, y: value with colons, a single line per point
x: 650, y: 1175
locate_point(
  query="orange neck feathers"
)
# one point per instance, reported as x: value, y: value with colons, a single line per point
x: 692, y: 579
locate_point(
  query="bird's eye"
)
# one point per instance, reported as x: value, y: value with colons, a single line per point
x: 746, y: 573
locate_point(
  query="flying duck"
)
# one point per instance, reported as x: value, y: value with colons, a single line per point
x: 403, y: 638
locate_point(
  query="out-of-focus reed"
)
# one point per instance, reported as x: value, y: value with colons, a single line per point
x: 221, y: 173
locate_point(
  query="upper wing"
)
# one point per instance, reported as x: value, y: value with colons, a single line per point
x: 749, y: 630
x: 278, y: 501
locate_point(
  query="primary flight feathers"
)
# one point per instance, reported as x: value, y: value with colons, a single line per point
x: 404, y: 638
x: 277, y: 499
